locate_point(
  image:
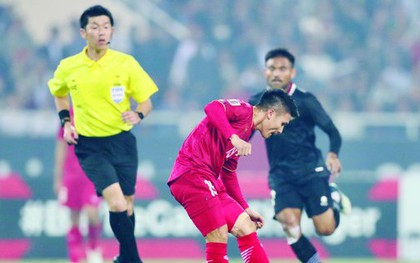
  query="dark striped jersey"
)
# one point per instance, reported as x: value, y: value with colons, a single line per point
x: 293, y: 155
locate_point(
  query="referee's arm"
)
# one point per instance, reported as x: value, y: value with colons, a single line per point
x: 145, y: 107
x: 62, y: 103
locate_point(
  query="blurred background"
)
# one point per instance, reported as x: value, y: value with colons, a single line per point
x: 360, y: 58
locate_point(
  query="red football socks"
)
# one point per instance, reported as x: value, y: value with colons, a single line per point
x: 251, y: 249
x: 216, y: 253
x: 75, y: 245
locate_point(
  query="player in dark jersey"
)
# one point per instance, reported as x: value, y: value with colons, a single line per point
x: 204, y: 180
x: 299, y: 176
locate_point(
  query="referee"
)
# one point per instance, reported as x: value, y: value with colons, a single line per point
x: 101, y: 82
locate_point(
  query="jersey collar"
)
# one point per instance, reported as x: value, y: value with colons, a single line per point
x: 290, y: 90
x: 91, y: 62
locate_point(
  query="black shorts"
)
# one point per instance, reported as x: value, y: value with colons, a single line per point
x: 313, y: 195
x: 109, y: 160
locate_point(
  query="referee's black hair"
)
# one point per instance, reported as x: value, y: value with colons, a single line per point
x: 279, y: 100
x: 280, y: 52
x: 96, y: 10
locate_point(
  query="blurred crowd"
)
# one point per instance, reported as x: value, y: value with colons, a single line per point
x: 356, y: 56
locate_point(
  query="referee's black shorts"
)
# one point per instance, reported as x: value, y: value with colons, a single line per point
x: 109, y: 160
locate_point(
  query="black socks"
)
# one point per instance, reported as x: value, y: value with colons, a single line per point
x: 304, y: 250
x: 123, y: 229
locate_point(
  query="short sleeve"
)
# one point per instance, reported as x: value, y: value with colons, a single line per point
x: 57, y: 84
x: 141, y: 84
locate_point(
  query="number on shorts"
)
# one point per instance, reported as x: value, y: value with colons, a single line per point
x: 211, y: 187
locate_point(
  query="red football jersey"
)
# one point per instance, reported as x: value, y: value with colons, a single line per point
x: 207, y: 149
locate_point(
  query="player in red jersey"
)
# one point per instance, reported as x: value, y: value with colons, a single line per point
x: 204, y: 180
x: 75, y: 191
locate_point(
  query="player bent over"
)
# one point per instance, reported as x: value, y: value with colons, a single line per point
x: 204, y: 180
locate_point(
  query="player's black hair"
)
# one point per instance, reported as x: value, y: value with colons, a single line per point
x: 96, y: 10
x: 279, y: 100
x: 280, y: 52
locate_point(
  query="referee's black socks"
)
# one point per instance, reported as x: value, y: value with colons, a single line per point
x: 123, y: 229
x: 123, y: 253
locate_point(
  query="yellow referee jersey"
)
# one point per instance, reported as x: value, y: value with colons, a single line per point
x: 100, y: 90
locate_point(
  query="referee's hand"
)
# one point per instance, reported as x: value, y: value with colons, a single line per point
x: 70, y: 134
x: 130, y: 117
